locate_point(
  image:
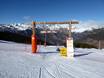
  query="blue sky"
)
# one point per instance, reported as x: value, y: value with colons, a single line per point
x: 14, y: 11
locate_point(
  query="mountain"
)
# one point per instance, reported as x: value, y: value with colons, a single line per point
x: 91, y: 37
x: 22, y: 33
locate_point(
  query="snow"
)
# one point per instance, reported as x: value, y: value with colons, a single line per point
x: 17, y: 61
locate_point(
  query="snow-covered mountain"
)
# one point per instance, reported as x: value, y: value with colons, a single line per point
x: 18, y: 26
x: 20, y: 32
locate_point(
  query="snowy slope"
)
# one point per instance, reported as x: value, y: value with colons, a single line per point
x: 16, y: 61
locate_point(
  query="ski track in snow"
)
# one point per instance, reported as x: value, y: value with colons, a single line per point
x: 17, y: 61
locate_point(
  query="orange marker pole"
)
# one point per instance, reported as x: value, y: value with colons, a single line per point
x: 34, y: 44
x: 34, y: 39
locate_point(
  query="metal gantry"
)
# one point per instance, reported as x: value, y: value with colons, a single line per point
x: 35, y: 23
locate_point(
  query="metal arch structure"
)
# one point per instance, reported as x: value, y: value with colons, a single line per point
x: 34, y: 40
x: 66, y: 22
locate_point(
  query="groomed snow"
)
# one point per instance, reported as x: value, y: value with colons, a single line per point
x: 17, y: 61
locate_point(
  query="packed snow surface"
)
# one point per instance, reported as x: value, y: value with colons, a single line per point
x: 17, y: 61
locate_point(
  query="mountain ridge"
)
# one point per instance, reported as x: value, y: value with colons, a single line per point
x: 16, y: 34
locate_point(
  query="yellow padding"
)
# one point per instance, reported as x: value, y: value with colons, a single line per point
x: 63, y: 52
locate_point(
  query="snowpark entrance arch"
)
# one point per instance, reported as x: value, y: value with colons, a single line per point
x: 69, y: 41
